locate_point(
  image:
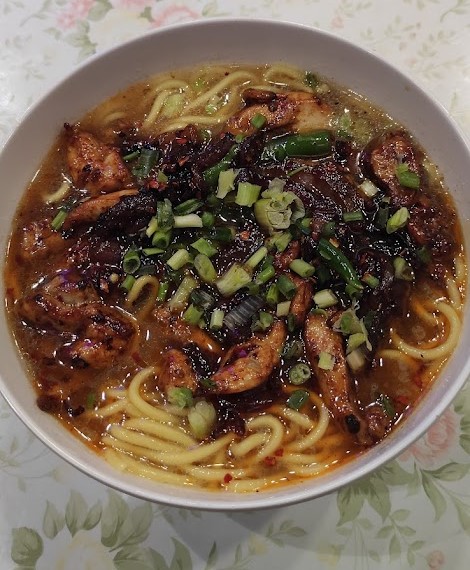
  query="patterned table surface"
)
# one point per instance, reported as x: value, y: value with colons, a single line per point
x: 413, y: 513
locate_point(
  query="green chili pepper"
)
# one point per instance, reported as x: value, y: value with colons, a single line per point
x: 337, y: 261
x: 315, y: 144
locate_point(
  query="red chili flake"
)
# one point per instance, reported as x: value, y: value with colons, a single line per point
x: 245, y: 235
x: 183, y: 160
x: 402, y: 400
x: 181, y: 140
x: 227, y: 478
x: 270, y: 461
x: 279, y: 452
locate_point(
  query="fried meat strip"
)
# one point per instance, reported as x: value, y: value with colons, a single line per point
x: 176, y: 372
x: 93, y: 165
x: 302, y: 111
x: 249, y: 364
x: 336, y: 386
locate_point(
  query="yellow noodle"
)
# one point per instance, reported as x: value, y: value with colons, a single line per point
x: 164, y: 431
x: 444, y: 349
x: 115, y: 116
x: 214, y: 473
x: 110, y: 409
x: 144, y: 470
x: 130, y: 446
x: 395, y: 354
x: 427, y: 316
x: 315, y: 434
x: 141, y: 283
x: 142, y: 440
x: 59, y: 194
x: 200, y: 453
x: 185, y: 120
x: 248, y: 485
x: 297, y: 418
x: 144, y: 407
x: 156, y: 108
x: 253, y: 441
x: 236, y: 76
x: 117, y: 393
x: 171, y: 84
x: 454, y: 294
x: 460, y: 270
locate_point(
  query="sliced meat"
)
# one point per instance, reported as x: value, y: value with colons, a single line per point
x: 336, y: 385
x: 303, y: 299
x: 176, y: 371
x: 180, y: 334
x: 39, y: 240
x: 381, y: 159
x: 428, y: 227
x: 87, y: 212
x: 282, y: 260
x: 93, y: 165
x: 250, y: 364
x: 302, y: 111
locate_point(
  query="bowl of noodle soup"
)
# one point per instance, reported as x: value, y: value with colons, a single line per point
x: 154, y: 441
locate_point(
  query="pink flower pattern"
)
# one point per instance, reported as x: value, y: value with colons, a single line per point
x: 434, y: 445
x: 76, y: 10
x: 435, y: 560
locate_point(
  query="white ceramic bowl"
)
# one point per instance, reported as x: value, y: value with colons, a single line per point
x: 234, y: 41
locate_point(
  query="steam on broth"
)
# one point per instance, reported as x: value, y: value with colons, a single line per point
x: 234, y: 277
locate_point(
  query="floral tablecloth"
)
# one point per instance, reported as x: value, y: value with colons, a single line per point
x: 413, y: 513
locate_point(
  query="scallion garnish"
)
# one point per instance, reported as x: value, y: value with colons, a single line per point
x: 407, y: 177
x: 326, y: 361
x: 131, y: 261
x: 398, y: 220
x: 232, y: 280
x: 286, y: 287
x: 258, y: 121
x: 192, y: 315
x: 204, y: 246
x: 355, y: 216
x: 161, y: 239
x: 302, y: 268
x: 371, y: 280
x: 403, y: 269
x: 187, y: 207
x: 265, y: 275
x: 247, y: 193
x: 180, y: 297
x: 325, y: 298
x: 263, y: 322
x: 145, y: 163
x: 180, y: 397
x: 59, y: 219
x: 256, y: 258
x: 282, y: 309
x: 128, y: 282
x: 299, y: 374
x: 179, y: 259
x: 208, y: 219
x: 162, y: 291
x: 297, y: 399
x: 187, y: 221
x: 217, y: 319
x: 205, y: 268
x: 293, y: 350
x: 272, y: 295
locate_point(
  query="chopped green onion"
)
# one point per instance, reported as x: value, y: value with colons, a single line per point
x: 398, y: 220
x: 265, y: 275
x: 131, y: 156
x: 355, y: 216
x: 407, y: 177
x: 164, y: 215
x: 326, y: 361
x: 304, y: 225
x: 161, y: 239
x: 336, y: 259
x: 233, y: 279
x: 90, y: 401
x: 302, y: 268
x: 368, y: 188
x: 371, y: 280
x: 423, y: 254
x: 286, y: 287
x: 310, y: 80
x: 187, y: 221
x: 208, y: 219
x: 180, y: 297
x: 179, y: 259
x: 356, y: 359
x: 204, y: 246
x: 328, y: 229
x: 180, y: 397
x: 247, y: 193
x: 258, y: 121
x: 211, y: 175
x: 202, y: 299
x: 162, y: 177
x: 403, y: 269
x: 282, y: 309
x: 148, y: 251
x: 205, y: 268
x: 187, y: 207
x: 272, y: 295
x: 145, y: 163
x: 217, y: 319
x: 354, y: 341
x: 131, y: 261
x: 59, y: 219
x: 192, y: 314
x: 381, y: 217
x: 387, y: 405
x: 152, y: 226
x: 325, y: 298
x: 256, y: 258
x: 293, y: 350
x: 202, y: 418
x: 226, y: 183
x: 162, y: 291
x: 263, y: 322
x: 243, y: 312
x: 299, y: 374
x: 297, y: 399
x: 223, y: 234
x: 280, y: 241
x: 128, y: 282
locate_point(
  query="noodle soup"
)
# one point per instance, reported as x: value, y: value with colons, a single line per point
x: 234, y: 277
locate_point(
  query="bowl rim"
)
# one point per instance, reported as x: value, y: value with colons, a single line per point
x: 293, y: 493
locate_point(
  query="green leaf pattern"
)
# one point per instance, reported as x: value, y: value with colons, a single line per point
x: 409, y: 514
